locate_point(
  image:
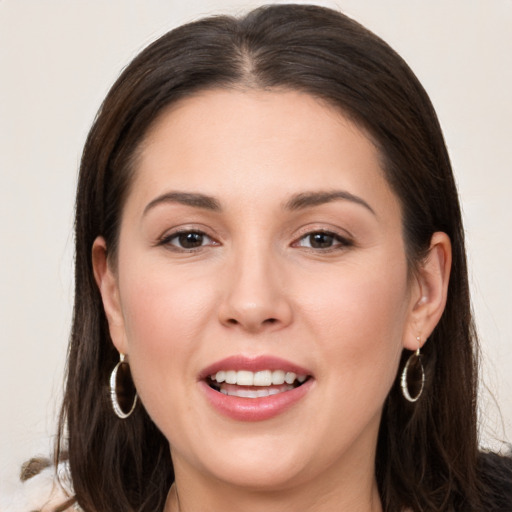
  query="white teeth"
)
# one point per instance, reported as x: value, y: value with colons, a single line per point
x: 277, y: 377
x: 261, y: 378
x: 290, y: 377
x: 258, y: 393
x: 231, y: 377
x: 247, y: 393
x: 244, y: 378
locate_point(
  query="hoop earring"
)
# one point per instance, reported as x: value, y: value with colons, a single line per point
x: 414, y: 362
x: 121, y: 391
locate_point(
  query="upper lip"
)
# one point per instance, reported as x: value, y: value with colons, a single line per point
x: 253, y: 364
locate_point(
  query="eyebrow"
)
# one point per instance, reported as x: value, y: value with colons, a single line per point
x: 296, y: 202
x: 195, y: 200
x: 309, y: 199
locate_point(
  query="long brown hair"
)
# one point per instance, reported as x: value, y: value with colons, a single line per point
x: 427, y: 456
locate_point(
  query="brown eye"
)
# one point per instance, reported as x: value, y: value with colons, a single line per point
x: 322, y: 240
x: 188, y: 240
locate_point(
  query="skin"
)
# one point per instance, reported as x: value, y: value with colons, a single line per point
x: 258, y: 283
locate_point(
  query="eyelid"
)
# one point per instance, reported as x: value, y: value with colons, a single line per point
x: 169, y: 235
x: 344, y: 240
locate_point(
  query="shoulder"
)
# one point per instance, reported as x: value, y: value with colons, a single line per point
x: 42, y: 487
x: 495, y: 474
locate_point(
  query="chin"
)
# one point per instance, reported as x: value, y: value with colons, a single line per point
x: 257, y: 463
x: 259, y: 475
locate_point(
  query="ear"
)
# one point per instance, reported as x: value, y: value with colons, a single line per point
x: 429, y: 291
x: 107, y: 284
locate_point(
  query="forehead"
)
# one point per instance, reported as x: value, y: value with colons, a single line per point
x: 248, y: 142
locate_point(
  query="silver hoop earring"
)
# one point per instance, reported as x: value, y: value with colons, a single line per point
x: 414, y: 364
x: 122, y: 389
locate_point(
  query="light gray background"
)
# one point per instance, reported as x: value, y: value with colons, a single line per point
x: 57, y: 61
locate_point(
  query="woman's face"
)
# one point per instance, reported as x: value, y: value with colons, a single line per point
x: 261, y: 243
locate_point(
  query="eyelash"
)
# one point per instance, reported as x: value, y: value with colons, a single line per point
x: 338, y: 241
x: 167, y: 240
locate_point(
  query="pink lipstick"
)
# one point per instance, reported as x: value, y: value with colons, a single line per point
x: 254, y: 389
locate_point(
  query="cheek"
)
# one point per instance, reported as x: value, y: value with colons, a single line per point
x: 359, y: 298
x: 162, y: 304
x: 164, y: 318
x: 360, y: 322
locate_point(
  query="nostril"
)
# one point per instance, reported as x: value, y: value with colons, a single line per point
x: 267, y: 321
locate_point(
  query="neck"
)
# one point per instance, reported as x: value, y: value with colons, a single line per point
x: 348, y: 495
x: 345, y: 483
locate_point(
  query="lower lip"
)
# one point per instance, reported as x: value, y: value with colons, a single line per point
x: 255, y: 409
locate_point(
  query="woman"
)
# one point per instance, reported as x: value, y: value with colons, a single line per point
x: 272, y: 307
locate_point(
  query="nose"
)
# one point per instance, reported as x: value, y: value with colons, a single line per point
x: 255, y: 298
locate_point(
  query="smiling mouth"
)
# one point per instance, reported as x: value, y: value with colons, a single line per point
x: 260, y: 384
